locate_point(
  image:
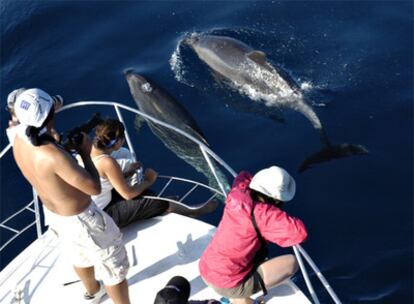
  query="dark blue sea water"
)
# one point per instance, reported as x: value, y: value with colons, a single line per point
x: 356, y: 58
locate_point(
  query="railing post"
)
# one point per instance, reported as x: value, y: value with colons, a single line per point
x: 319, y: 274
x: 6, y: 148
x: 127, y: 138
x: 210, y: 164
x: 305, y: 276
x: 37, y: 214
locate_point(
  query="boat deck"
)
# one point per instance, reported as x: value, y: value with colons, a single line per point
x: 158, y: 249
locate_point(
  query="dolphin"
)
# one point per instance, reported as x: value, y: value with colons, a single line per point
x: 249, y: 71
x: 154, y: 101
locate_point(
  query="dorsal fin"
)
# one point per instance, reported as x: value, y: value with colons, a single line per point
x: 257, y: 56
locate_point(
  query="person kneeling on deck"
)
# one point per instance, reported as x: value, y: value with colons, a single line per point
x: 86, y: 232
x: 122, y: 199
x: 234, y: 263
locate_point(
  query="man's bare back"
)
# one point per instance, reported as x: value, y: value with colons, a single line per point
x: 63, y: 186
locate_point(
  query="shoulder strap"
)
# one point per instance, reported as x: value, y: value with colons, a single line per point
x: 259, y: 235
x: 261, y: 254
x: 99, y: 157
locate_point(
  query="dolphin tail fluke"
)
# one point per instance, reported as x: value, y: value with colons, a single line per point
x: 332, y: 152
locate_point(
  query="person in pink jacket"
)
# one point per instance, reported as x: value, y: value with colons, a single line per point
x: 234, y: 263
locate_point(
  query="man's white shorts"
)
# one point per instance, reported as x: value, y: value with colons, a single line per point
x: 91, y: 238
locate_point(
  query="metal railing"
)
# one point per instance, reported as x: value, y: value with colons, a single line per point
x: 17, y: 232
x: 171, y: 179
x: 207, y: 153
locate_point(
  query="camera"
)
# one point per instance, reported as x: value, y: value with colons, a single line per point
x: 72, y: 139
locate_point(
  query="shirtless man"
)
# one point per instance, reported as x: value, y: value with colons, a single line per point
x: 89, y: 234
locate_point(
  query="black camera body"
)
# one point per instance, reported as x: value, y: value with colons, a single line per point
x: 72, y: 139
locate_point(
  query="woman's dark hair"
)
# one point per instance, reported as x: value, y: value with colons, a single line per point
x: 33, y: 132
x: 258, y: 196
x: 108, y: 132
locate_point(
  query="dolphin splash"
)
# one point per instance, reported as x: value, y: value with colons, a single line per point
x: 248, y: 70
x: 154, y: 101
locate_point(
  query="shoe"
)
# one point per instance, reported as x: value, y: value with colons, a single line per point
x: 96, y: 297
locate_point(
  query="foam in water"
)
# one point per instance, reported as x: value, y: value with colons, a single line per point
x: 306, y: 86
x: 274, y: 91
x: 267, y: 86
x: 176, y: 63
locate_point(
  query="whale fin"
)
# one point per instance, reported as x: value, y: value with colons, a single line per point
x: 257, y: 56
x: 332, y: 152
x: 138, y: 123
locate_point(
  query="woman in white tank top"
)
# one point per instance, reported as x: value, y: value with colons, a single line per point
x: 121, y: 199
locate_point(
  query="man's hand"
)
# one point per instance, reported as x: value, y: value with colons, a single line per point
x: 150, y: 175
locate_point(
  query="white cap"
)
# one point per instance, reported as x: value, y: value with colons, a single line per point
x: 11, y: 98
x: 32, y: 107
x: 274, y: 182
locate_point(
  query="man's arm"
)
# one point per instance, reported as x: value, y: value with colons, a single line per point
x: 85, y: 179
